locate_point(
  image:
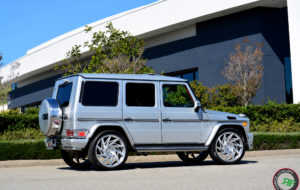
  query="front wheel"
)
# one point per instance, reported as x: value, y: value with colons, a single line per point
x: 192, y: 157
x: 228, y: 147
x: 75, y: 159
x: 108, y: 150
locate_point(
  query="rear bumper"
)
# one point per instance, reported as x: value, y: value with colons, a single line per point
x: 250, y: 140
x: 66, y: 144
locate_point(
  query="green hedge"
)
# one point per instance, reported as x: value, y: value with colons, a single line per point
x: 270, y: 117
x: 35, y: 149
x: 26, y: 149
x: 13, y: 120
x: 273, y: 141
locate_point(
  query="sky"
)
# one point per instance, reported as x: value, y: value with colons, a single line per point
x: 25, y: 24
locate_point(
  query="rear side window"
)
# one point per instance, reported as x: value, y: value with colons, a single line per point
x: 64, y: 94
x: 140, y: 94
x: 100, y: 94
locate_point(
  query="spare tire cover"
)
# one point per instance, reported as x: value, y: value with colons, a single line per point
x: 50, y: 120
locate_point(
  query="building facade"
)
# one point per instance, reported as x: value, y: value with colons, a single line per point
x: 188, y: 39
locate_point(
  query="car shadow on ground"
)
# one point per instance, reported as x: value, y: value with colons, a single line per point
x: 167, y: 164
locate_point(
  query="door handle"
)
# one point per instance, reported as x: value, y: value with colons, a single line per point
x: 128, y: 119
x: 167, y: 120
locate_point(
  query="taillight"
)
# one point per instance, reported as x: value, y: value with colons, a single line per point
x: 70, y: 133
x: 77, y: 133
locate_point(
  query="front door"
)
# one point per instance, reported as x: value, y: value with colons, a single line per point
x: 141, y: 111
x: 180, y: 122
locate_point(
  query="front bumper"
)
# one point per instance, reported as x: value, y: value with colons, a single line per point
x: 250, y: 140
x: 66, y: 144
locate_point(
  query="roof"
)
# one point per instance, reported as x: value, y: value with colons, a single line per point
x: 152, y: 77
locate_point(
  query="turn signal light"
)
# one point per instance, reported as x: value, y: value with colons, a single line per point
x: 81, y: 134
x: 245, y: 124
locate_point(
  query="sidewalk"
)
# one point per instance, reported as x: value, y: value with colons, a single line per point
x: 139, y: 159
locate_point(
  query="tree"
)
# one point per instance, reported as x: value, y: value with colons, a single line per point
x: 4, y: 88
x: 245, y: 69
x: 113, y: 51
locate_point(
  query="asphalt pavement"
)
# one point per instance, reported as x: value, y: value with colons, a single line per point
x: 256, y: 171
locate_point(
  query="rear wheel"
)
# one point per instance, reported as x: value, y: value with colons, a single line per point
x: 108, y: 150
x: 76, y: 159
x: 228, y: 147
x: 193, y: 157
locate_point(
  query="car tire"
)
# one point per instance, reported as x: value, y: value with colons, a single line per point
x: 228, y: 147
x: 193, y: 157
x: 108, y: 150
x: 76, y: 159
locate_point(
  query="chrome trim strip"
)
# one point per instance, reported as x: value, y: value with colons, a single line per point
x: 112, y: 119
x: 171, y: 149
x: 185, y: 120
x: 99, y: 119
x: 225, y: 121
x: 146, y: 120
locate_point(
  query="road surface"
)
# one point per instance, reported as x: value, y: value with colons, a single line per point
x: 256, y: 171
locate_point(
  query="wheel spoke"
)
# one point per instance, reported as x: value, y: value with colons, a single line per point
x: 229, y: 146
x: 112, y: 151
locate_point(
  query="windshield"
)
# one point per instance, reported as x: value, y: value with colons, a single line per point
x: 63, y: 94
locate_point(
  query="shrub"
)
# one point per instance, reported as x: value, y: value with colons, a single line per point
x: 23, y: 134
x: 221, y: 95
x: 14, y: 120
x: 268, y: 113
x: 29, y: 149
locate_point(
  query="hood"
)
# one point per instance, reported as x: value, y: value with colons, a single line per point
x: 218, y: 115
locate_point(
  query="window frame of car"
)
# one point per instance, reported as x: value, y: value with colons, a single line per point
x: 186, y: 85
x: 82, y: 86
x: 156, y: 94
x: 64, y: 84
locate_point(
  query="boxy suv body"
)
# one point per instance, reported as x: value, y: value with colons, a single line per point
x: 98, y: 118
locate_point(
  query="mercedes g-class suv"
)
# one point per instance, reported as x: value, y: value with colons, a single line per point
x: 99, y: 118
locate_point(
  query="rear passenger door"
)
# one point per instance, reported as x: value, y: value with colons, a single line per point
x: 141, y: 111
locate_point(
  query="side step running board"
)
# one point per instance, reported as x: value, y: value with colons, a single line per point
x: 170, y: 149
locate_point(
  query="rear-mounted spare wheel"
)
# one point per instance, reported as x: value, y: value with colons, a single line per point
x: 50, y: 117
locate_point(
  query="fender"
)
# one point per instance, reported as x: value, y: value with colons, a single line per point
x: 216, y: 129
x: 111, y: 124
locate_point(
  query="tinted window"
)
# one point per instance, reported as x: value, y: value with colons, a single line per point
x: 177, y: 96
x: 140, y: 94
x: 100, y: 94
x: 63, y: 94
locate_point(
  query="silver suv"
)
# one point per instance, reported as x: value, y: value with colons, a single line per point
x: 99, y: 118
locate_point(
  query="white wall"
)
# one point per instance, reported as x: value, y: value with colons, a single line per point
x: 147, y: 21
x: 294, y: 29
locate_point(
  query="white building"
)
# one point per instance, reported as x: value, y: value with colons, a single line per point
x: 187, y: 38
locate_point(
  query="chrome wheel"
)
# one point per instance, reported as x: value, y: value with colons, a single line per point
x: 229, y: 146
x: 110, y: 151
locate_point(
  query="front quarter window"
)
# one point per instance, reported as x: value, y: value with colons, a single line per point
x: 64, y: 94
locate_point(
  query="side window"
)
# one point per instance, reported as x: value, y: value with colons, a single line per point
x: 63, y: 94
x: 100, y: 93
x: 176, y: 96
x: 140, y: 94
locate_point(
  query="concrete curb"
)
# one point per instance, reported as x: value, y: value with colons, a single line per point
x: 139, y: 159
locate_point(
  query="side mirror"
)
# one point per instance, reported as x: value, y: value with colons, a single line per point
x: 197, y: 106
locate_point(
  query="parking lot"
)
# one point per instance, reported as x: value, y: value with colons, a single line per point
x: 256, y: 171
